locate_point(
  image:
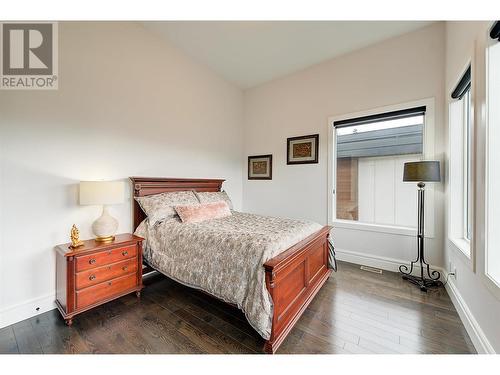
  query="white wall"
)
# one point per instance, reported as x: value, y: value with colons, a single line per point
x: 399, y: 70
x: 128, y: 104
x: 465, y: 42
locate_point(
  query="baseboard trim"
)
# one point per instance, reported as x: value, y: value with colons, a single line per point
x: 26, y: 310
x: 384, y: 263
x: 476, y: 334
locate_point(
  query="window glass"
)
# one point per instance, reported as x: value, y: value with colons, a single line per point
x: 369, y: 170
x: 467, y: 166
x: 493, y: 170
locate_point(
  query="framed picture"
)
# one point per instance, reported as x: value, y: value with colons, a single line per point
x: 260, y: 167
x: 302, y: 150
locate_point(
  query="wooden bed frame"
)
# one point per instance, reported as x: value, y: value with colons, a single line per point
x: 292, y: 278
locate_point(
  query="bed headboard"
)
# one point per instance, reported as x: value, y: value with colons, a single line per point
x: 143, y: 186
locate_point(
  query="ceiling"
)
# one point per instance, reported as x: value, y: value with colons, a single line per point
x: 249, y: 53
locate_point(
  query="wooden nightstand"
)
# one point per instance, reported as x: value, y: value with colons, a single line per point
x: 96, y: 273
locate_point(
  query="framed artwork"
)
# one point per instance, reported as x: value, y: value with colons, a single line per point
x: 260, y: 167
x: 302, y: 150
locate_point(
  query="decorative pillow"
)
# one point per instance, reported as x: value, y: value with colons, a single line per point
x: 202, y: 212
x: 211, y: 197
x: 159, y: 207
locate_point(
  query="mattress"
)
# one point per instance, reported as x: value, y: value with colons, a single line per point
x: 224, y: 257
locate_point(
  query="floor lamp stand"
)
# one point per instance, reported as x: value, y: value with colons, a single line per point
x: 433, y: 276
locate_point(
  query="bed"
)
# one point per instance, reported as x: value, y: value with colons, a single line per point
x: 271, y: 268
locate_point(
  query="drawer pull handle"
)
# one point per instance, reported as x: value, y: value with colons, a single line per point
x: 124, y: 268
x: 125, y: 253
x: 91, y: 277
x: 92, y: 261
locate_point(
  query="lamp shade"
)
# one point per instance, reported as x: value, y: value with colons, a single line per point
x: 422, y: 171
x: 101, y: 192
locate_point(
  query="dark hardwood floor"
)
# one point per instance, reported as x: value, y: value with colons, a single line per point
x: 355, y: 312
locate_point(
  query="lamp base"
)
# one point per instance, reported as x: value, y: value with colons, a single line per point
x: 105, y: 239
x: 406, y: 271
x: 423, y: 284
x: 105, y: 227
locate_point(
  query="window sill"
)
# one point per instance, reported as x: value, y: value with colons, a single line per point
x: 388, y: 229
x: 492, y: 281
x: 492, y: 285
x: 461, y: 246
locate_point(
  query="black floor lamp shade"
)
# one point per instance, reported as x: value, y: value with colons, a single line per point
x: 422, y: 171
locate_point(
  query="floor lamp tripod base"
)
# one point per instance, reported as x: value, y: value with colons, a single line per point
x: 422, y: 283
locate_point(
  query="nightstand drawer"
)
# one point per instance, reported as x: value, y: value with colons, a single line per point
x: 98, y: 275
x: 102, y: 291
x: 105, y: 257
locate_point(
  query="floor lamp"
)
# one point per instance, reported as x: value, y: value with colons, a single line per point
x: 421, y: 172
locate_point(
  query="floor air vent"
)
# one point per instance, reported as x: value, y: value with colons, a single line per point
x: 371, y: 269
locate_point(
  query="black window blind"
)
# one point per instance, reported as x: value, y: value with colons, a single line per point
x: 403, y: 113
x: 463, y: 85
x: 495, y: 31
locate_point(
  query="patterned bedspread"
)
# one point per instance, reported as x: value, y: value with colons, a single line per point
x: 225, y: 257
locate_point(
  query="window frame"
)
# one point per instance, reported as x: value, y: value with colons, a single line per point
x: 428, y: 153
x: 462, y: 245
x: 490, y: 282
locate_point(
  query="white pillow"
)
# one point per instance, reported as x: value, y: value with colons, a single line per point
x: 159, y: 207
x: 212, y: 197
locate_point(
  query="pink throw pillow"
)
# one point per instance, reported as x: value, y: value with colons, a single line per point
x: 202, y: 212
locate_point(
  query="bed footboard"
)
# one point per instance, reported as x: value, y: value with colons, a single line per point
x: 293, y: 278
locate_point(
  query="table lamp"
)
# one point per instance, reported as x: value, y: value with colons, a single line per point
x: 103, y: 193
x: 421, y: 172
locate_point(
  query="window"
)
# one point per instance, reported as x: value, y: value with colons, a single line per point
x: 492, y: 266
x: 467, y: 166
x: 461, y: 167
x: 370, y: 153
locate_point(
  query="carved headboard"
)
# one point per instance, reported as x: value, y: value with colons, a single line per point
x: 143, y: 186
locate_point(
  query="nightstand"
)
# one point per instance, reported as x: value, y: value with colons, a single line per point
x: 96, y: 273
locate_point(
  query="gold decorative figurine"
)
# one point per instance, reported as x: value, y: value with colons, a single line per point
x: 75, y: 237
